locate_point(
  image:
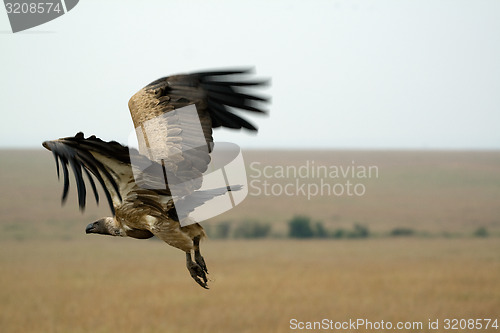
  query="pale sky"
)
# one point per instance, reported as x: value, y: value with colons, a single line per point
x: 345, y: 74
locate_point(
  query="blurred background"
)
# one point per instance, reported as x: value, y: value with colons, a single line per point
x: 407, y: 87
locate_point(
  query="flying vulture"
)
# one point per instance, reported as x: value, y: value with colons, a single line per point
x: 142, y: 203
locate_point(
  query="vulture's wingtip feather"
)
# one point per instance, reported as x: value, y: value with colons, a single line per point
x: 78, y: 153
x: 66, y: 179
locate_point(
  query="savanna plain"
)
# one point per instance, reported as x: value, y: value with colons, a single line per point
x: 54, y: 278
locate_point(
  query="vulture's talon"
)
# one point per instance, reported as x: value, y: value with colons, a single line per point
x: 201, y: 283
x: 196, y: 273
x: 200, y: 261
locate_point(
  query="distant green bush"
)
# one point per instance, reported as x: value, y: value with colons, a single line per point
x: 481, y: 232
x: 300, y: 227
x: 339, y: 233
x: 402, y: 232
x: 320, y: 230
x: 359, y: 231
x: 252, y: 229
x: 222, y: 230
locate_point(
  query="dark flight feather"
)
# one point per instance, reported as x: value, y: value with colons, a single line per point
x: 75, y: 151
x: 221, y: 91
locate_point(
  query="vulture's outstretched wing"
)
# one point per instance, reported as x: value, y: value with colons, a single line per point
x: 174, y: 117
x: 107, y: 162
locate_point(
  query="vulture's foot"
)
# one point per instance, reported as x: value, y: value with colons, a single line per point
x: 200, y: 261
x: 197, y: 272
x: 197, y: 255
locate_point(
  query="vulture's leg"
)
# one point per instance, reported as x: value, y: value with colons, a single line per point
x: 196, y: 271
x: 197, y: 255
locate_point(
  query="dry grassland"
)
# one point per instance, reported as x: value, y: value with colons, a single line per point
x: 120, y: 285
x: 55, y: 278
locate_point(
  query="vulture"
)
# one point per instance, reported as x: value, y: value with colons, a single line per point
x: 142, y: 200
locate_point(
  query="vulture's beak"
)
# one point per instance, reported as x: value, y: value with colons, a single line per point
x: 90, y: 228
x: 45, y: 145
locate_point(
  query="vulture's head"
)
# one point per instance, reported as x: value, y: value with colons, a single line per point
x: 104, y: 226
